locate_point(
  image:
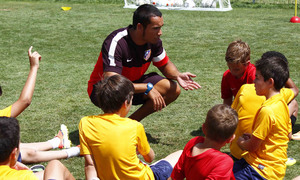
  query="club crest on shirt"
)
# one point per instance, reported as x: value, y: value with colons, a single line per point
x: 147, y: 54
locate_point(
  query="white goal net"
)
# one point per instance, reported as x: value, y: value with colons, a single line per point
x: 191, y: 5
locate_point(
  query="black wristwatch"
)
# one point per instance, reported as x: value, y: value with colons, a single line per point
x: 149, y: 88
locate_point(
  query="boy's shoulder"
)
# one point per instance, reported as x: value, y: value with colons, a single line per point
x: 110, y: 120
x: 8, y: 173
x: 6, y: 111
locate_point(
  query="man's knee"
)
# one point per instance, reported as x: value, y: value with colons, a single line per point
x: 168, y: 88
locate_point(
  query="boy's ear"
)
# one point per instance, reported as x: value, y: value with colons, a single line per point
x: 230, y: 139
x: 13, y: 157
x: 247, y: 62
x: 271, y: 82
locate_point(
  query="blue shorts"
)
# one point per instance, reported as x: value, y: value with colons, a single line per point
x: 243, y: 171
x: 162, y: 170
x: 19, y: 157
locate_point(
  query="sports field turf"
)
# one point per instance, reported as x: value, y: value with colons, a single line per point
x: 70, y: 42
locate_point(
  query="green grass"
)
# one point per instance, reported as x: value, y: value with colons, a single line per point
x: 70, y: 42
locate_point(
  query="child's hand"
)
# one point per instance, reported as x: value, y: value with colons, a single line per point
x: 20, y: 166
x: 246, y: 136
x: 34, y: 57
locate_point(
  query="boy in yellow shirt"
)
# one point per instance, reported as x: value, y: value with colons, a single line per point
x: 110, y: 141
x: 268, y: 142
x: 247, y: 103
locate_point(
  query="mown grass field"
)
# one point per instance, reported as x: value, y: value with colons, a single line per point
x: 70, y: 42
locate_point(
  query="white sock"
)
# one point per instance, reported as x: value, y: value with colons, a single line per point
x: 73, y: 151
x: 54, y: 142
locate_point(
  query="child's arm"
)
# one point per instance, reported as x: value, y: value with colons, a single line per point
x: 26, y: 95
x: 150, y: 156
x: 89, y: 168
x: 249, y: 142
x: 291, y: 85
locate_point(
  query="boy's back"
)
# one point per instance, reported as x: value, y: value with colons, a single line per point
x: 113, y: 140
x: 209, y: 164
x: 201, y: 157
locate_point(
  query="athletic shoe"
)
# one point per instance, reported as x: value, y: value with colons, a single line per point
x: 37, y: 168
x: 63, y: 135
x: 290, y: 161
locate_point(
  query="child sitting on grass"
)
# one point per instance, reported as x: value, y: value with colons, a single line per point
x: 240, y: 71
x: 38, y: 152
x: 247, y: 103
x: 267, y: 144
x: 110, y: 141
x: 201, y: 157
x: 9, y: 152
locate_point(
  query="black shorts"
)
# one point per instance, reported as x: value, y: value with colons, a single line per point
x: 139, y: 97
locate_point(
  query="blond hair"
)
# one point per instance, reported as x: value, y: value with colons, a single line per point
x: 238, y: 52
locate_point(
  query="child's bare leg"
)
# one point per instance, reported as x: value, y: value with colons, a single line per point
x: 34, y: 156
x: 56, y: 170
x: 173, y: 158
x: 59, y: 141
x: 39, y: 146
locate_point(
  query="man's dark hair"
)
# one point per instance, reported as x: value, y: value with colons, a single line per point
x: 9, y: 136
x: 143, y: 14
x: 273, y: 67
x: 221, y: 122
x: 112, y: 92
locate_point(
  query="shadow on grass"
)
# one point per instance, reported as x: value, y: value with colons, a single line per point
x: 198, y: 132
x: 152, y: 139
x: 74, y: 137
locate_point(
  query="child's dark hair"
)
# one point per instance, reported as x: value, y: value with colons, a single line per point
x: 269, y: 54
x: 221, y: 122
x: 274, y: 67
x: 9, y: 136
x: 112, y: 92
x: 143, y: 14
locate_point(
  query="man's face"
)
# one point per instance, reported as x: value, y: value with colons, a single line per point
x: 237, y: 69
x: 152, y: 32
x: 261, y: 86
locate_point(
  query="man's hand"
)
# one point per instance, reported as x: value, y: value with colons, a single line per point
x: 34, y: 57
x: 157, y: 99
x: 186, y: 82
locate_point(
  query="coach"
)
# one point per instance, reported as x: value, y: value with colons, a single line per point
x: 129, y: 51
